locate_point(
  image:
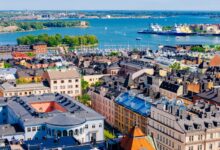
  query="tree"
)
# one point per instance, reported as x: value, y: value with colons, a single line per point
x: 85, y: 99
x: 84, y: 84
x: 175, y: 66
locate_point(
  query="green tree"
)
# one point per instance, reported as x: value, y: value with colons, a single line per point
x: 175, y: 66
x: 84, y: 85
x: 85, y: 99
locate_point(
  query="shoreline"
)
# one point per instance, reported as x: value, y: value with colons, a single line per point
x: 83, y: 27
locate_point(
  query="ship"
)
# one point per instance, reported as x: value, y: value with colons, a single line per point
x: 157, y: 29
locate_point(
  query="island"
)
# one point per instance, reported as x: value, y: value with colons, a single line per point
x: 16, y: 26
x: 58, y: 39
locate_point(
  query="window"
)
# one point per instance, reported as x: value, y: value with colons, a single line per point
x: 70, y: 81
x: 191, y: 138
x: 43, y: 128
x: 77, y: 80
x: 199, y: 147
x: 28, y: 129
x: 210, y: 146
x: 100, y: 125
x: 199, y: 137
x: 190, y: 147
x: 62, y: 81
x: 211, y: 135
x: 33, y: 129
x: 38, y: 128
x: 86, y: 126
x: 93, y: 126
x: 77, y: 86
x: 55, y: 82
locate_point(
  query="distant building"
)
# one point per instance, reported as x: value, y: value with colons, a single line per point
x: 64, y: 81
x: 8, y: 73
x: 49, y: 116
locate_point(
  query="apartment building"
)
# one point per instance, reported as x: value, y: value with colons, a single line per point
x: 8, y: 89
x: 171, y: 90
x: 102, y: 101
x: 177, y: 127
x: 64, y: 81
x: 131, y: 110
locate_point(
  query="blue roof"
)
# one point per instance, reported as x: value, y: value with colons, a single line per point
x: 133, y: 103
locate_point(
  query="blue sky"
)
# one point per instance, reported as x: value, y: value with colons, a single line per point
x: 111, y: 4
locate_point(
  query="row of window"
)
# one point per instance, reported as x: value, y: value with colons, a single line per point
x: 64, y: 87
x: 200, y: 137
x: 43, y: 128
x: 63, y: 81
x: 25, y: 93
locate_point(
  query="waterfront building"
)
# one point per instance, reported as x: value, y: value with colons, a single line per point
x: 175, y: 126
x: 49, y: 116
x: 64, y: 81
x: 10, y: 89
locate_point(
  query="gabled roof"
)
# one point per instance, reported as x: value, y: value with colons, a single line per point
x: 136, y: 140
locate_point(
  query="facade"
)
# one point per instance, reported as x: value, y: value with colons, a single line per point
x: 8, y: 73
x: 2, y: 64
x: 171, y: 90
x: 64, y: 81
x: 102, y: 101
x: 8, y: 90
x: 39, y: 48
x: 131, y: 110
x: 92, y: 79
x: 51, y: 116
x: 177, y: 127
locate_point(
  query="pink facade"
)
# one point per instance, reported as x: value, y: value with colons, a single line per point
x: 103, y: 105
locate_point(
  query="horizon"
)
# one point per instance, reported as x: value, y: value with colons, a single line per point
x: 170, y: 5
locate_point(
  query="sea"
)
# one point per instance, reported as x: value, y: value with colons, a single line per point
x: 122, y: 33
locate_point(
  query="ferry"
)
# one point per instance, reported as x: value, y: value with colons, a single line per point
x: 157, y: 29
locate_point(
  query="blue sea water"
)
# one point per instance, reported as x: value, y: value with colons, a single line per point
x: 116, y: 33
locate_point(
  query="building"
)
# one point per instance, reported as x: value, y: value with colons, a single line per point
x: 50, y: 116
x: 171, y: 90
x: 137, y: 140
x: 8, y: 73
x: 102, y: 101
x: 130, y: 110
x: 175, y: 126
x: 9, y: 90
x: 39, y: 48
x: 2, y: 64
x: 64, y: 81
x: 92, y: 79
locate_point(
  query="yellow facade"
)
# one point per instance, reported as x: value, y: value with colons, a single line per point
x: 2, y: 64
x: 125, y: 119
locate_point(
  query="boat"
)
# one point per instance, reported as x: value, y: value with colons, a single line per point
x: 138, y: 38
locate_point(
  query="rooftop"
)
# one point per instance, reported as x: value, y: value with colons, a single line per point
x: 63, y: 74
x: 72, y: 113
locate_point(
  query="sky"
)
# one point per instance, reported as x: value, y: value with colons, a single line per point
x: 110, y: 5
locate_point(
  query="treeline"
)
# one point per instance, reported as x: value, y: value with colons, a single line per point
x: 41, y: 25
x: 55, y: 40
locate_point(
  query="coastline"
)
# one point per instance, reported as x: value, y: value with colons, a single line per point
x: 41, y: 29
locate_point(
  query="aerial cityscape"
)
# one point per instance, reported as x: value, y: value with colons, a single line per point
x: 110, y: 75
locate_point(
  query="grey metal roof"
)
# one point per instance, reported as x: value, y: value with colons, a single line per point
x: 76, y: 112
